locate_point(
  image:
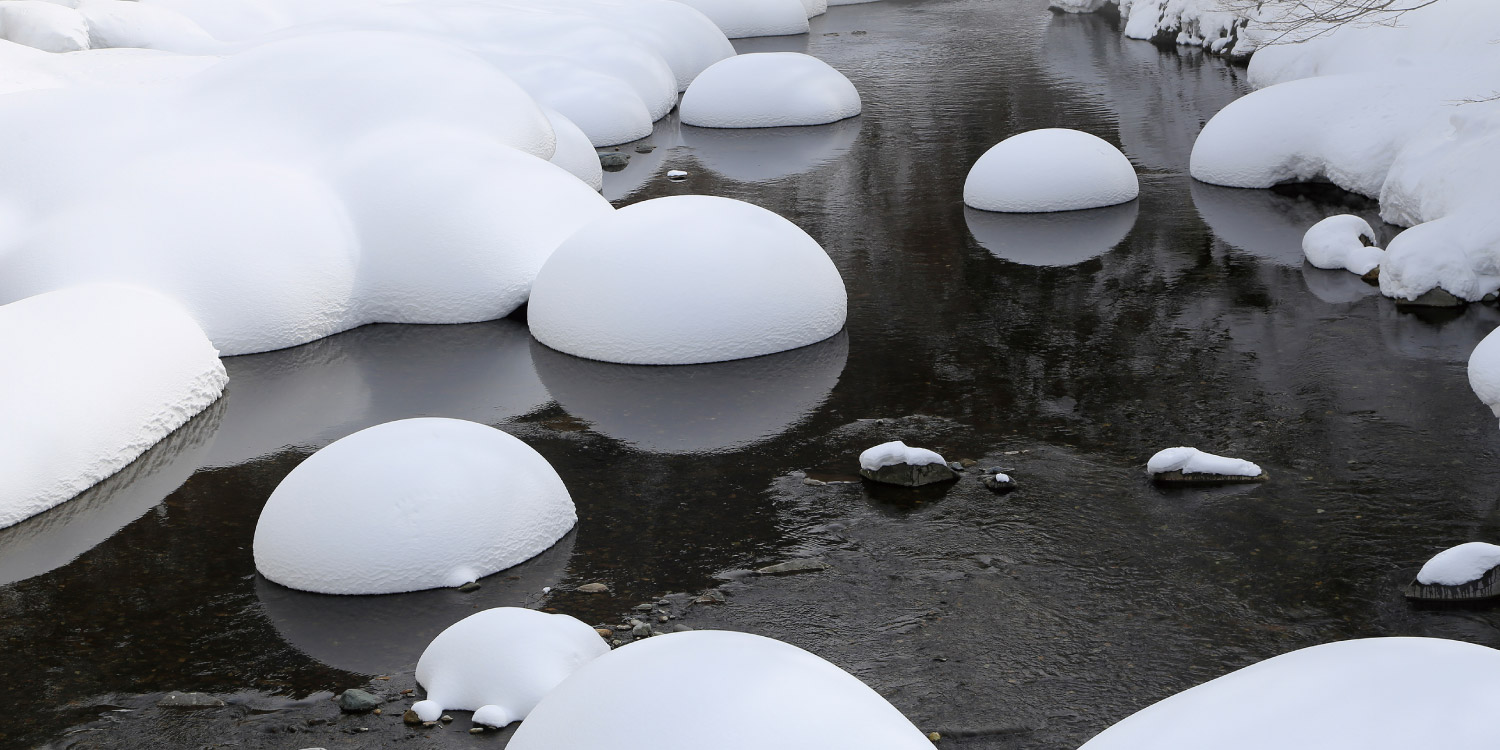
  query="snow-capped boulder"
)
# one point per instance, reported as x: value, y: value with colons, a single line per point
x: 410, y: 505
x: 45, y: 26
x: 684, y: 280
x: 70, y: 423
x: 500, y: 662
x: 574, y: 151
x: 1054, y: 238
x: 1370, y: 694
x: 1484, y: 371
x: 688, y: 40
x: 1461, y: 564
x: 897, y: 463
x: 769, y: 89
x: 1192, y: 465
x: 746, y: 18
x: 782, y: 697
x: 1343, y: 241
x: 1052, y: 169
x: 815, y: 8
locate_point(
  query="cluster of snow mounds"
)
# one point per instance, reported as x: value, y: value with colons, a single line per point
x: 782, y: 697
x: 1456, y: 566
x: 1194, y: 461
x: 896, y: 453
x: 410, y: 505
x: 769, y: 89
x: 1484, y: 371
x: 93, y: 377
x: 1052, y: 169
x: 500, y: 662
x: 739, y: 19
x: 1345, y: 241
x: 1370, y: 694
x: 685, y: 280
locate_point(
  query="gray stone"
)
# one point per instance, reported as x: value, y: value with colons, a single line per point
x: 644, y: 148
x: 356, y: 701
x: 809, y: 565
x: 641, y: 630
x: 810, y: 482
x: 470, y: 586
x: 711, y: 596
x: 1178, y: 477
x: 680, y: 628
x: 1434, y: 297
x: 613, y: 161
x: 644, y: 607
x: 411, y: 717
x: 907, y: 475
x: 995, y: 484
x: 1490, y: 298
x: 593, y: 588
x: 175, y: 699
x: 956, y: 466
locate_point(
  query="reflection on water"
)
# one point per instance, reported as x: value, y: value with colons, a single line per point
x: 1062, y: 238
x: 1336, y: 287
x: 765, y: 154
x: 1269, y: 224
x: 708, y: 408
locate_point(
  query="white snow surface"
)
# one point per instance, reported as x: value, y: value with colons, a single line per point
x: 409, y: 505
x: 896, y: 453
x: 684, y: 280
x: 1484, y: 371
x: 815, y: 8
x: 500, y: 662
x: 1194, y: 461
x: 746, y: 18
x: 574, y: 151
x: 1336, y: 242
x: 769, y: 89
x: 46, y: 26
x: 1370, y: 694
x: 782, y: 697
x: 1052, y: 169
x: 70, y: 422
x: 1460, y: 565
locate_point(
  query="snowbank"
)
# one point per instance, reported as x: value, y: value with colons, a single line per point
x: 746, y: 18
x: 1371, y: 694
x: 1484, y: 371
x: 409, y: 505
x: 1223, y: 27
x: 1052, y: 169
x: 500, y: 662
x: 895, y: 453
x: 1052, y: 239
x: 116, y: 24
x: 683, y: 280
x: 745, y: 691
x: 1343, y: 241
x: 1194, y: 461
x: 769, y: 89
x: 46, y: 26
x: 1459, y: 565
x: 70, y: 422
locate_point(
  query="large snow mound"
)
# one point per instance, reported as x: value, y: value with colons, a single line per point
x: 1459, y: 565
x: 500, y: 662
x: 1371, y: 694
x: 1484, y: 371
x: 410, y: 505
x: 70, y: 422
x: 1345, y: 241
x: 1052, y: 169
x: 745, y: 691
x: 769, y: 89
x: 746, y: 18
x: 683, y: 280
x: 1194, y: 461
x: 896, y: 453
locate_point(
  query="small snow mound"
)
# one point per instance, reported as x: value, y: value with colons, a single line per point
x: 746, y: 18
x: 782, y: 697
x: 46, y: 26
x: 1053, y: 169
x: 575, y: 152
x: 500, y: 662
x: 769, y: 89
x: 1484, y: 371
x: 684, y: 280
x: 1344, y: 241
x: 895, y: 453
x: 1194, y: 461
x: 1459, y: 565
x: 409, y: 505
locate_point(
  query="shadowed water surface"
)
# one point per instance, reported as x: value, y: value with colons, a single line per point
x: 1032, y: 620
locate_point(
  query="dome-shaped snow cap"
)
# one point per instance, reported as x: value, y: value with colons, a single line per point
x: 684, y: 280
x: 1053, y: 169
x: 768, y: 90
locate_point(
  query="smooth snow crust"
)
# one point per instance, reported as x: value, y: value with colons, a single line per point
x: 743, y: 691
x: 1052, y: 169
x: 895, y: 453
x: 70, y: 422
x: 500, y: 662
x: 1484, y: 371
x: 1194, y: 461
x: 1335, y: 243
x: 747, y: 18
x: 1371, y: 694
x: 769, y: 89
x: 409, y: 505
x: 1459, y: 565
x: 684, y: 280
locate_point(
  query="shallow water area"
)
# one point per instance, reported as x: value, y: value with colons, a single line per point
x: 1033, y: 619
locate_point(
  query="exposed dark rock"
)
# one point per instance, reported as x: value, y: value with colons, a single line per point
x: 907, y: 475
x: 357, y: 701
x: 1178, y: 477
x: 1434, y: 297
x: 809, y: 565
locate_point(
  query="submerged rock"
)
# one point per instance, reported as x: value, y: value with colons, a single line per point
x: 593, y: 588
x: 357, y: 701
x: 810, y: 565
x: 175, y: 699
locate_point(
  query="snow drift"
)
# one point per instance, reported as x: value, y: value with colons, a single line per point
x: 769, y: 89
x: 1052, y: 169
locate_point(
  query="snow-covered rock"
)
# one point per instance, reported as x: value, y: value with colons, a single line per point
x: 815, y: 8
x: 769, y: 89
x: 1460, y: 565
x: 1343, y: 241
x: 1484, y: 371
x: 574, y: 151
x: 1223, y: 27
x: 46, y: 26
x: 746, y: 18
x: 683, y: 280
x: 1370, y: 694
x: 1191, y: 461
x: 410, y: 505
x: 1054, y: 238
x: 500, y: 662
x: 897, y: 463
x: 1052, y: 169
x: 70, y: 423
x: 782, y: 697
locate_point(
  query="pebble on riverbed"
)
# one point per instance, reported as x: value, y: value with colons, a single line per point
x: 810, y: 565
x: 593, y: 588
x: 355, y: 701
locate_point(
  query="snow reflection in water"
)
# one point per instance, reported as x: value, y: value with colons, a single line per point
x: 1060, y: 238
x: 764, y: 154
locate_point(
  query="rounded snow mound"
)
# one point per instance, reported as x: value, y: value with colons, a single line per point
x: 500, y: 662
x: 782, y: 697
x: 409, y: 505
x: 1459, y: 565
x: 684, y: 280
x: 70, y: 423
x: 1484, y: 371
x: 1053, y: 169
x: 47, y: 26
x: 1370, y: 694
x: 767, y: 90
x: 1194, y: 461
x: 1344, y: 241
x: 895, y: 453
x: 746, y: 18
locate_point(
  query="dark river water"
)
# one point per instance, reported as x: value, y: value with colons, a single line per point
x: 1067, y: 347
